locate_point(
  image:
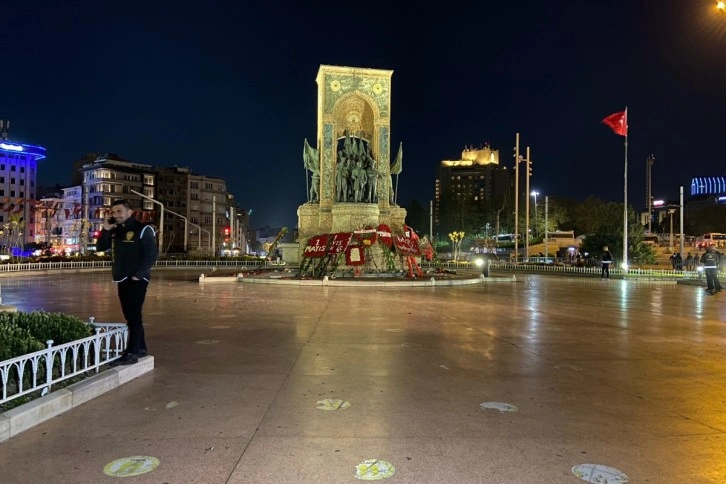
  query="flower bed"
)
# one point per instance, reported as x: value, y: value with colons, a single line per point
x: 39, y: 350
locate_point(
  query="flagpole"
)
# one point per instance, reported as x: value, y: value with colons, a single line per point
x: 625, y: 200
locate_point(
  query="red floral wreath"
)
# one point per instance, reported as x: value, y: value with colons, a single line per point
x: 366, y: 237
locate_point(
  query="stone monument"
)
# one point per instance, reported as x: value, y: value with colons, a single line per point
x: 349, y: 174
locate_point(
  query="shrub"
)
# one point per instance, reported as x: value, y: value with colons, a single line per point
x: 19, y: 330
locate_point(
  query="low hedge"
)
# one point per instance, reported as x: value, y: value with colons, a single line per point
x: 23, y: 333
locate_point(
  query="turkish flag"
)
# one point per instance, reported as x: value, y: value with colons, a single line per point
x: 618, y: 122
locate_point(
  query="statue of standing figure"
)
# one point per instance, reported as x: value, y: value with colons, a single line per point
x: 359, y: 182
x: 311, y: 162
x: 342, y: 175
x: 372, y: 195
x: 314, y: 186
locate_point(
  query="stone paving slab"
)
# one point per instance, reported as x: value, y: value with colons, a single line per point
x: 619, y: 373
x: 23, y: 417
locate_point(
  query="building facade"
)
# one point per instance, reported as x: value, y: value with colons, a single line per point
x: 18, y: 174
x: 475, y: 178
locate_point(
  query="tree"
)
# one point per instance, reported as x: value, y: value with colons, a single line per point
x: 456, y: 238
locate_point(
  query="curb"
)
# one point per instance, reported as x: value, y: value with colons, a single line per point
x: 22, y: 418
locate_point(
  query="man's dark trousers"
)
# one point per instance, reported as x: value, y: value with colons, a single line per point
x: 712, y: 282
x: 132, y: 294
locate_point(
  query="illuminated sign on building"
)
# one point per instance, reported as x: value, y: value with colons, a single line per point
x: 9, y: 147
x: 710, y: 185
x: 30, y: 151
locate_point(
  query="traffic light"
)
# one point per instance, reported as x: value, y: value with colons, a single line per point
x: 529, y: 168
x: 226, y: 234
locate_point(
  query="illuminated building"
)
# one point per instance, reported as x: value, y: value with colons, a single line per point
x: 477, y: 177
x: 18, y: 172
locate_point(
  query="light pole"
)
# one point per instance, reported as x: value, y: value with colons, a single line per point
x: 517, y: 159
x: 545, y: 227
x: 199, y: 237
x: 534, y: 194
x: 186, y: 222
x: 161, y: 219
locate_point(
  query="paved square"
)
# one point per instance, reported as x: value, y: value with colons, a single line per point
x: 625, y: 374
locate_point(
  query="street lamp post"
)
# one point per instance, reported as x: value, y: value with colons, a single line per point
x: 199, y: 237
x: 534, y: 194
x: 161, y: 218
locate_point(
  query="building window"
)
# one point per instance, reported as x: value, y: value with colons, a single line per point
x: 207, y: 220
x: 22, y: 169
x: 195, y: 220
x: 12, y: 167
x: 148, y: 179
x: 192, y: 184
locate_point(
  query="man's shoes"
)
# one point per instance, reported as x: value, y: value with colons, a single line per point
x: 126, y: 359
x: 142, y: 353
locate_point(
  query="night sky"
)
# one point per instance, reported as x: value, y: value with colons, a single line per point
x: 228, y: 89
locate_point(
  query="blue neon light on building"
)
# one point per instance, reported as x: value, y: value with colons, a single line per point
x: 33, y: 152
x: 710, y: 185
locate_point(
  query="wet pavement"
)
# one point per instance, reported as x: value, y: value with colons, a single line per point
x: 286, y: 384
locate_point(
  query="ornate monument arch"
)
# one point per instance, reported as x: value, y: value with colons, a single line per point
x: 353, y: 105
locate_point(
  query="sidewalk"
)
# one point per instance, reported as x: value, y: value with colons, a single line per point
x: 617, y: 373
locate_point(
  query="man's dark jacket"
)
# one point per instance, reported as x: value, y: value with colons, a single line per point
x: 133, y: 249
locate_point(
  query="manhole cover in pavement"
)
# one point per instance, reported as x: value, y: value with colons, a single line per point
x: 600, y: 474
x: 373, y: 470
x: 501, y: 406
x: 332, y: 404
x: 131, y: 466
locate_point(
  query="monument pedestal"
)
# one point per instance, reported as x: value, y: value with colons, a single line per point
x: 346, y: 217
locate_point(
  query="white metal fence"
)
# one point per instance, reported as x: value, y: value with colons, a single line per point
x: 567, y: 269
x: 46, y: 266
x: 39, y: 371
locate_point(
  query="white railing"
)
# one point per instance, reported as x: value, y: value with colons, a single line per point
x: 41, y: 370
x: 45, y: 266
x: 561, y: 269
x: 566, y: 269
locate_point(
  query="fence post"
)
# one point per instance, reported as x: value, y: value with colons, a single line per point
x: 49, y: 364
x: 97, y: 349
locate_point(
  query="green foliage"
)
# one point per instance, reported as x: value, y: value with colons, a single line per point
x: 22, y: 333
x: 16, y: 341
x: 642, y: 253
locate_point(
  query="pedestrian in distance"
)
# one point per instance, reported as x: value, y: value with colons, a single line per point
x: 134, y: 252
x: 607, y: 259
x: 689, y: 262
x: 710, y: 262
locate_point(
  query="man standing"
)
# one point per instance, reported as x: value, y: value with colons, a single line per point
x: 607, y: 259
x: 710, y: 266
x: 133, y: 251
